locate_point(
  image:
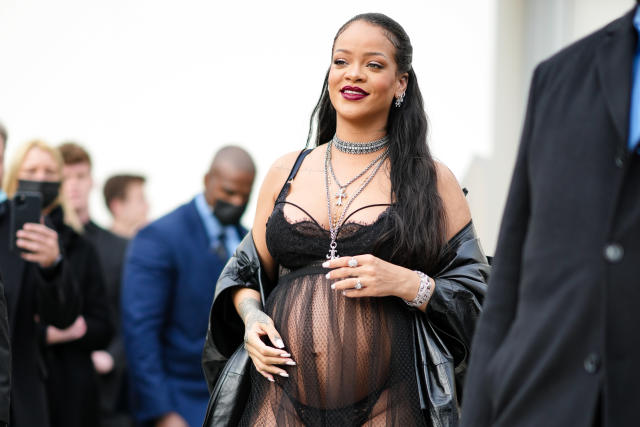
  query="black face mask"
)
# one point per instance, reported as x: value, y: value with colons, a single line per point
x: 228, y: 213
x: 48, y: 189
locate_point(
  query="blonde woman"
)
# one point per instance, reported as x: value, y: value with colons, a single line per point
x: 60, y: 251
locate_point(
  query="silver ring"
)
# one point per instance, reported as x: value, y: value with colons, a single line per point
x: 353, y: 262
x: 358, y: 285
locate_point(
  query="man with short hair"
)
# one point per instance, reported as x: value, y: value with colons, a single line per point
x: 110, y: 363
x: 168, y: 285
x: 125, y: 199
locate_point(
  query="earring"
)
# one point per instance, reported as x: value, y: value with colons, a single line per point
x: 399, y: 100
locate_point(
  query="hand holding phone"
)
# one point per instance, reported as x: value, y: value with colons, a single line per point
x: 25, y: 207
x: 36, y: 242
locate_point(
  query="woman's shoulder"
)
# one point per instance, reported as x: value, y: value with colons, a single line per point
x: 455, y: 204
x: 284, y: 163
x: 281, y: 168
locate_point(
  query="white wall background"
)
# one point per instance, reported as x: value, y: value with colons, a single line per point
x: 156, y: 87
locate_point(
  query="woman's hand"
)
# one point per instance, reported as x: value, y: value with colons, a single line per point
x: 258, y: 325
x: 171, y: 419
x: 41, y: 242
x: 102, y: 361
x: 369, y: 276
x: 72, y: 333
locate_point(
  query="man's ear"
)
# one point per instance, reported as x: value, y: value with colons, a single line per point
x: 115, y: 207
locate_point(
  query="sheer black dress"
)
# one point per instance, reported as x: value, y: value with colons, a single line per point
x: 354, y: 356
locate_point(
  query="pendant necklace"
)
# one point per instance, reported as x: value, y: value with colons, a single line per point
x: 342, y: 188
x: 334, y: 227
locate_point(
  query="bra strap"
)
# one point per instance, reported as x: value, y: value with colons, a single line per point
x: 296, y: 166
x: 293, y: 173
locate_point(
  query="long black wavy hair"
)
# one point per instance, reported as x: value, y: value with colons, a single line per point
x: 417, y: 229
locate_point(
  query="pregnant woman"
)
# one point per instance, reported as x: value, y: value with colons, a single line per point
x: 350, y: 236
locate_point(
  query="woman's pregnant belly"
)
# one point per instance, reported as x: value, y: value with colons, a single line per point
x: 342, y: 346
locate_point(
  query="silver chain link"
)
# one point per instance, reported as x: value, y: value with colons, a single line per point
x: 352, y: 180
x: 334, y: 228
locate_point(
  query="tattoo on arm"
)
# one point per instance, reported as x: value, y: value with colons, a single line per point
x: 250, y: 309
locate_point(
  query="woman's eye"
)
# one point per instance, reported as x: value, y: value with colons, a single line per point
x: 375, y: 65
x: 339, y: 62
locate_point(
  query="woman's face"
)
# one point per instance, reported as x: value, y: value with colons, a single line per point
x: 363, y: 78
x: 39, y: 165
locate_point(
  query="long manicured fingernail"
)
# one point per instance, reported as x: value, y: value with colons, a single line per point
x: 333, y: 286
x: 284, y: 374
x: 325, y: 264
x: 328, y: 275
x: 285, y: 355
x: 279, y: 343
x: 271, y: 379
x: 291, y: 363
x: 344, y: 293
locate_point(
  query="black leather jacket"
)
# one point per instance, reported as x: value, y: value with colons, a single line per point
x: 452, y: 311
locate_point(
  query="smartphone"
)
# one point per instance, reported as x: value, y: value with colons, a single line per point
x: 25, y: 207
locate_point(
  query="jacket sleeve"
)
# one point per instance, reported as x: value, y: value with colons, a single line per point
x: 95, y: 308
x: 58, y: 299
x: 226, y: 330
x: 5, y: 360
x: 116, y: 350
x: 456, y: 303
x: 116, y: 346
x: 147, y: 283
x: 502, y: 298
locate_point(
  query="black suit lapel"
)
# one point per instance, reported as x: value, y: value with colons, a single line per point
x: 615, y: 60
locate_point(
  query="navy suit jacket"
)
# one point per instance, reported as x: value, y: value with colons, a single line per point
x: 169, y: 281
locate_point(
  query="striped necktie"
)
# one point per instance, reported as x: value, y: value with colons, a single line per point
x: 219, y: 248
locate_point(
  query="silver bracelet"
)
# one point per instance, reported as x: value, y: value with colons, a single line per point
x: 424, y: 291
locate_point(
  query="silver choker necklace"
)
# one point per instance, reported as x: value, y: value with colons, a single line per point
x: 360, y: 147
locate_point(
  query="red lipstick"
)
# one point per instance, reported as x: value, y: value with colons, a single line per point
x: 353, y: 93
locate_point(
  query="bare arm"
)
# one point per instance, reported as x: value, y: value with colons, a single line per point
x: 273, y: 182
x: 247, y: 301
x: 456, y: 209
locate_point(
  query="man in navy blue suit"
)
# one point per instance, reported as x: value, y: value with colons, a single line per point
x: 168, y: 284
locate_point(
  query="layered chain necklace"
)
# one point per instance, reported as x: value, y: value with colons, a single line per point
x: 334, y: 226
x: 341, y: 194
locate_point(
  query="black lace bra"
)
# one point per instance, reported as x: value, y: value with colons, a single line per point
x: 294, y: 244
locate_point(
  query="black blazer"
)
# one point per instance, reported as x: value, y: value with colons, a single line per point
x: 111, y: 251
x: 52, y: 295
x: 558, y: 340
x: 72, y: 382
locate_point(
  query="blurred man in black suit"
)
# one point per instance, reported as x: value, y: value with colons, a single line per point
x: 557, y: 343
x: 110, y: 363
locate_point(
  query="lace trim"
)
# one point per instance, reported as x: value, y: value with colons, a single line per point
x: 312, y: 221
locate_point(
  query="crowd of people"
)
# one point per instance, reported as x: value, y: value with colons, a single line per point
x: 106, y: 326
x: 354, y: 298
